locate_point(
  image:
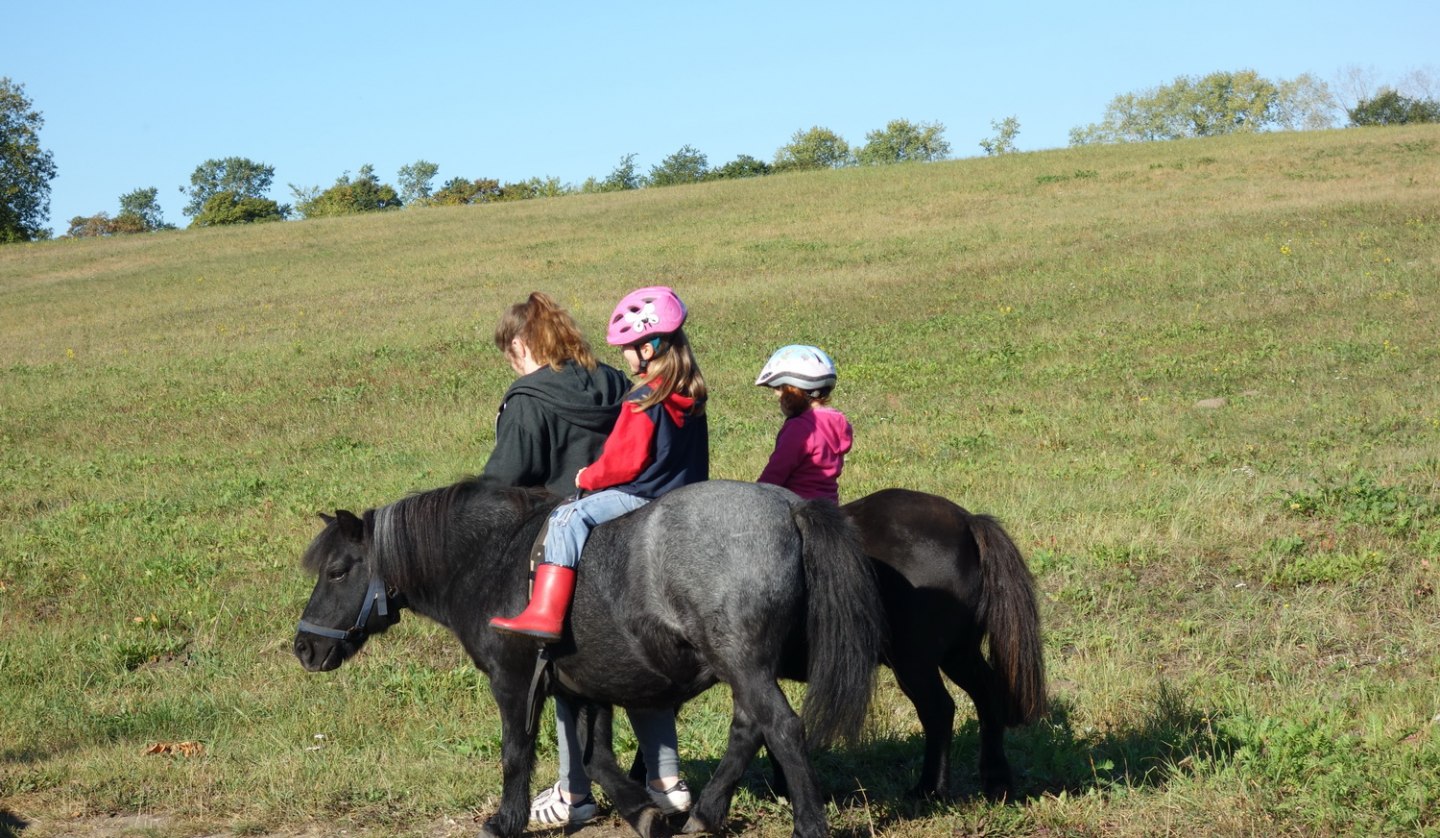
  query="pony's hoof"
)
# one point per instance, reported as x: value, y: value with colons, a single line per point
x: 997, y: 791
x: 695, y: 826
x: 651, y: 823
x: 927, y: 794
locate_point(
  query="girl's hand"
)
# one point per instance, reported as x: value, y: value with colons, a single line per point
x: 577, y: 476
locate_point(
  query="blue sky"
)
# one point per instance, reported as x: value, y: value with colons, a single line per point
x: 137, y: 95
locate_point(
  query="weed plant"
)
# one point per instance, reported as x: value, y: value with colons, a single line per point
x: 1195, y: 379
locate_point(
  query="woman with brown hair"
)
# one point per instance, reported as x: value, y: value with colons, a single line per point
x: 556, y: 416
x: 660, y: 442
x: 554, y: 423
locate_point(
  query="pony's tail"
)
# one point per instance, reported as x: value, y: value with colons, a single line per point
x: 845, y: 623
x: 1012, y: 619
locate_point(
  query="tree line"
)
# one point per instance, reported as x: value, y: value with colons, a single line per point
x: 233, y: 190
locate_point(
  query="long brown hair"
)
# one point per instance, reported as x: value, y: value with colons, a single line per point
x: 674, y: 370
x: 547, y: 329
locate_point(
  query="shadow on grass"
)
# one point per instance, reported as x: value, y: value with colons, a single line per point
x: 1048, y: 758
x: 11, y: 824
x: 1172, y: 738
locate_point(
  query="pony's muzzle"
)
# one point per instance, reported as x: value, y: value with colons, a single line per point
x: 318, y: 654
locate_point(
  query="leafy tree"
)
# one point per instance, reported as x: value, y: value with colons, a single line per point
x: 26, y: 169
x: 363, y: 193
x: 902, y: 141
x: 548, y: 187
x: 142, y: 207
x: 513, y: 191
x: 1004, y: 140
x: 458, y: 191
x: 415, y: 182
x: 139, y: 213
x: 1390, y: 107
x: 817, y: 148
x: 742, y: 166
x: 101, y: 224
x: 1305, y: 103
x: 237, y: 176
x: 1229, y: 103
x: 1220, y: 103
x: 687, y: 165
x: 234, y: 208
x: 1359, y: 85
x: 87, y: 226
x: 621, y: 178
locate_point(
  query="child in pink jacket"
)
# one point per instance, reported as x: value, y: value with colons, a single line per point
x: 811, y: 446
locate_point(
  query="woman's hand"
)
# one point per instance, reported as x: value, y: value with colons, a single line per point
x: 577, y: 476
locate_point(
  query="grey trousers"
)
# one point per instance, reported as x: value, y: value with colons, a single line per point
x: 655, y: 730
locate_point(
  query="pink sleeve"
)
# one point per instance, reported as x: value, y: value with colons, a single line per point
x: 788, y: 454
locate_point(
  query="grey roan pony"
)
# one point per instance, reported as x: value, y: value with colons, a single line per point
x: 952, y: 583
x: 709, y: 583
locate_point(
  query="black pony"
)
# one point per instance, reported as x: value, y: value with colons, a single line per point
x: 707, y: 584
x: 951, y: 579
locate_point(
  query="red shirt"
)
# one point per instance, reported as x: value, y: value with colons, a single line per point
x: 652, y: 451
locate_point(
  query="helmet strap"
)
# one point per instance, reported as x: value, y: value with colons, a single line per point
x: 654, y: 353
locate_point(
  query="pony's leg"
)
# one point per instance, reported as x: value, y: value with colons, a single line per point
x: 778, y: 786
x: 712, y: 807
x: 517, y: 756
x: 972, y: 673
x: 637, y: 766
x: 596, y: 729
x: 918, y: 675
x: 784, y: 736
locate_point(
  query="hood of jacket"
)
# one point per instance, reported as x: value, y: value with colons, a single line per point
x: 832, y: 426
x: 588, y: 399
x: 677, y: 405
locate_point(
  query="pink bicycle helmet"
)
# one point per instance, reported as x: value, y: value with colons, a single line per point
x: 643, y: 314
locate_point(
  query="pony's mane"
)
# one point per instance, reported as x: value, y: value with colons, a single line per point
x: 410, y: 538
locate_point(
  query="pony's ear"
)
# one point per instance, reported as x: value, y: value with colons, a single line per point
x: 350, y: 526
x: 327, y: 519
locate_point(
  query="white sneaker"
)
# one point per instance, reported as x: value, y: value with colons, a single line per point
x: 673, y: 800
x: 549, y: 808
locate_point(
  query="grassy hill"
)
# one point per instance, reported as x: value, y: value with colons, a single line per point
x: 1197, y: 380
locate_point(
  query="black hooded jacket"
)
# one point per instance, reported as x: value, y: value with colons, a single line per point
x: 553, y: 423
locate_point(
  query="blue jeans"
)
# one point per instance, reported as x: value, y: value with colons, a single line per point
x: 570, y: 523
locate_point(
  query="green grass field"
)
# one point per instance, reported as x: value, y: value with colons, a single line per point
x: 1197, y: 381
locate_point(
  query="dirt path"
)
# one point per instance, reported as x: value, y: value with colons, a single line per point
x: 130, y: 826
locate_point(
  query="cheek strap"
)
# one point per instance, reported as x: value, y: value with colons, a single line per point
x: 375, y: 600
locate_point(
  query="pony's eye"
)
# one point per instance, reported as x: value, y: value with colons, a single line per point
x: 342, y: 567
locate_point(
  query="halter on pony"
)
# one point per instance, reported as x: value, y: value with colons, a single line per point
x: 376, y: 594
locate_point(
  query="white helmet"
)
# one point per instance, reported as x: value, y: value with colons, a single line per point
x: 802, y: 366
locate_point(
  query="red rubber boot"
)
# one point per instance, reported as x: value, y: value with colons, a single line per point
x: 544, y: 617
